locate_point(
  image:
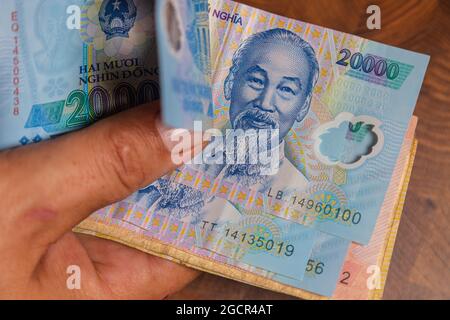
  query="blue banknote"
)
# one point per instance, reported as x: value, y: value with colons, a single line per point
x: 256, y: 239
x: 253, y: 241
x: 184, y: 55
x: 341, y: 103
x: 248, y: 237
x: 265, y: 242
x: 323, y: 267
x: 67, y: 63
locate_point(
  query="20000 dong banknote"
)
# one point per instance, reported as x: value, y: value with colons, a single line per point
x: 66, y: 64
x: 185, y: 62
x: 341, y: 105
x: 361, y: 277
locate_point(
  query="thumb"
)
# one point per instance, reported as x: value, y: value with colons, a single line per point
x: 55, y: 185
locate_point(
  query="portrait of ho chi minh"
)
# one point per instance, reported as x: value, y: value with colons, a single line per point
x: 269, y: 86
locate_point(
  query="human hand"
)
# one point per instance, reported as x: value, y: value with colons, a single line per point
x: 49, y: 188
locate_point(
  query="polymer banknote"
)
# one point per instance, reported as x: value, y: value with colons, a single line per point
x: 185, y: 62
x: 342, y: 106
x: 76, y: 62
x: 334, y: 269
x: 65, y: 64
x: 321, y: 192
x: 341, y: 128
x: 359, y: 273
x: 341, y: 103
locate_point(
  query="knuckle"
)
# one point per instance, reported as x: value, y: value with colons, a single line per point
x: 125, y: 159
x: 135, y: 152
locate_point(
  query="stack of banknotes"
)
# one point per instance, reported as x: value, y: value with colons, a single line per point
x: 324, y: 225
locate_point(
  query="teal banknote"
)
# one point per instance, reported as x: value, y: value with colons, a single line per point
x: 341, y: 118
x: 323, y: 268
x: 341, y: 103
x: 244, y: 240
x: 257, y: 239
x: 185, y: 62
x: 216, y: 225
x: 259, y: 243
x: 67, y: 63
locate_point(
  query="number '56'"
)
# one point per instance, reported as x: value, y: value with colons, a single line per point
x: 316, y: 267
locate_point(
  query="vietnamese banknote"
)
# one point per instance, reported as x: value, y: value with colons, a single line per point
x: 65, y: 64
x: 341, y: 103
x: 328, y: 196
x: 364, y: 271
x: 160, y: 236
x: 185, y: 62
x: 325, y: 268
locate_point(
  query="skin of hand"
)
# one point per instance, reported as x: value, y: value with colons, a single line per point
x: 49, y: 188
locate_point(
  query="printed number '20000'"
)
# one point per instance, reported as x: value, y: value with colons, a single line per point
x: 369, y: 63
x: 98, y: 103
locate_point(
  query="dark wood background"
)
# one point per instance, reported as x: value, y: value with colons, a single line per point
x: 420, y: 265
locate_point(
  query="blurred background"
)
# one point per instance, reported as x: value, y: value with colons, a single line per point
x: 420, y: 264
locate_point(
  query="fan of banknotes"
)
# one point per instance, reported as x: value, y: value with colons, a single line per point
x: 323, y: 225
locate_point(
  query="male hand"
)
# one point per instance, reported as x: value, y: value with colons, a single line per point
x: 49, y: 188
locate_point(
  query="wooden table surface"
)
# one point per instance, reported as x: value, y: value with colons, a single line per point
x: 420, y: 264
